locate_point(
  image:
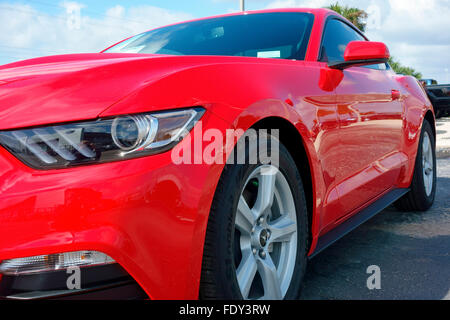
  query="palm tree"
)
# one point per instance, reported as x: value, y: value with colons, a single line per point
x: 354, y: 15
x: 399, y: 68
x: 358, y: 17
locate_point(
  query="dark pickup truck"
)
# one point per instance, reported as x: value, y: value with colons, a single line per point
x: 439, y: 96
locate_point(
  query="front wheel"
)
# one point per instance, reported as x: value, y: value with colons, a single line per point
x: 423, y: 186
x: 256, y: 240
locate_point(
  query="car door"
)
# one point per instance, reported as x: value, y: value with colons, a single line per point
x: 370, y: 123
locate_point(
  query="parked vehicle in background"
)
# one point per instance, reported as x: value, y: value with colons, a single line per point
x: 439, y: 96
x: 427, y: 82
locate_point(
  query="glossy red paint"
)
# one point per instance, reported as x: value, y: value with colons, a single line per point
x: 366, y: 50
x: 149, y: 214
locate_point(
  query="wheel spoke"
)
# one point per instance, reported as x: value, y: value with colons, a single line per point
x: 428, y: 164
x: 266, y: 192
x: 269, y: 277
x: 282, y: 229
x: 426, y: 145
x: 246, y: 273
x: 430, y: 158
x: 245, y: 218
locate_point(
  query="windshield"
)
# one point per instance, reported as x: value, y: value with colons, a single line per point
x: 283, y: 35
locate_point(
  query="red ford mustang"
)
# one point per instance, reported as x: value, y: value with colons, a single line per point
x: 107, y: 190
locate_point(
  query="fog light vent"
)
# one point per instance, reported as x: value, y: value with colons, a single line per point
x: 54, y: 262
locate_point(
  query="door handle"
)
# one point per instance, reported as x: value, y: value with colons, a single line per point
x: 396, y: 95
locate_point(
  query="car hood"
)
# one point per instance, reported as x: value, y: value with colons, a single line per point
x: 76, y: 87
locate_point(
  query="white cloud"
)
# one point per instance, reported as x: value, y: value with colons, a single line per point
x: 297, y: 3
x: 417, y: 35
x: 27, y: 32
x: 416, y: 31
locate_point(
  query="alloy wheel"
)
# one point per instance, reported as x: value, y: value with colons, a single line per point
x: 265, y: 235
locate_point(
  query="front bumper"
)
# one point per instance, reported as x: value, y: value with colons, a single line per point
x: 148, y: 214
x: 109, y: 282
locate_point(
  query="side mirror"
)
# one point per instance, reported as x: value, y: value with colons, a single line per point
x: 362, y: 53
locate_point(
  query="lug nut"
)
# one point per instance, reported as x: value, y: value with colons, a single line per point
x: 261, y: 220
x: 262, y: 254
x: 254, y: 251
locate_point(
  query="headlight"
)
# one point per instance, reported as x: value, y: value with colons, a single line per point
x: 100, y: 141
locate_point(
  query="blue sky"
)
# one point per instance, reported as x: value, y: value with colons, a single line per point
x: 98, y: 7
x: 412, y: 29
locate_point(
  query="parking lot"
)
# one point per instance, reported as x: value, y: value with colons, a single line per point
x: 411, y: 249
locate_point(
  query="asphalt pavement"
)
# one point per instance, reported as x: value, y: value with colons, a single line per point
x: 443, y: 140
x: 412, y: 250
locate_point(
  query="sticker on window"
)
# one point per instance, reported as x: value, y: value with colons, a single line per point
x: 269, y: 54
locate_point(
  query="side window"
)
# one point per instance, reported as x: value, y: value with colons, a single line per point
x: 336, y: 37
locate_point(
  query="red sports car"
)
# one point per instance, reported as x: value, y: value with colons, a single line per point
x: 131, y: 173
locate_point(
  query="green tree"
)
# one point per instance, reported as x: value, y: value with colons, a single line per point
x: 354, y: 15
x: 358, y: 18
x: 399, y: 68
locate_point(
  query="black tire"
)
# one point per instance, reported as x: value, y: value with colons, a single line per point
x: 417, y: 199
x: 218, y: 279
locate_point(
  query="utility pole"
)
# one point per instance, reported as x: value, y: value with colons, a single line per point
x: 242, y: 5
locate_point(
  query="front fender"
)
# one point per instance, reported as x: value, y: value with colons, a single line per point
x: 242, y: 94
x: 416, y: 105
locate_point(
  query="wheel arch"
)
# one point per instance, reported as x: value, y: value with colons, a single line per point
x: 295, y: 143
x: 430, y: 118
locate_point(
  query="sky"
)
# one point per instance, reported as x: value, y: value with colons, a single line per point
x: 416, y: 31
